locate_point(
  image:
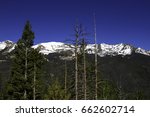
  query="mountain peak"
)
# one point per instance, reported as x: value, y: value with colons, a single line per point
x: 113, y: 50
x: 103, y: 49
x: 7, y: 45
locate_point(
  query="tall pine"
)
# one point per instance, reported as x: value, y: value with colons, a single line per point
x: 24, y: 67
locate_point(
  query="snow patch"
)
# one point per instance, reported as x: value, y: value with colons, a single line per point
x: 8, y: 45
x: 52, y: 47
x: 57, y: 47
x: 2, y: 45
x: 118, y: 49
x: 142, y: 51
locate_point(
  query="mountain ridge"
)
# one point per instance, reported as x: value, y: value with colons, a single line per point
x: 103, y: 48
x: 122, y: 64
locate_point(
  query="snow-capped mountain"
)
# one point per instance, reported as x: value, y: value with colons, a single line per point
x: 7, y: 46
x: 142, y: 51
x: 118, y: 49
x: 102, y: 49
x: 51, y: 47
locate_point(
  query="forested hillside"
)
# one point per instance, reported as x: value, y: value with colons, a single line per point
x: 114, y: 73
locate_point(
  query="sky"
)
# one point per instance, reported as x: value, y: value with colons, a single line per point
x: 117, y: 21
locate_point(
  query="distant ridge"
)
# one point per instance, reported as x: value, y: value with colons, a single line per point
x: 103, y: 49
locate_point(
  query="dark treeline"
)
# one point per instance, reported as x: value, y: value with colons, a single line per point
x: 36, y: 76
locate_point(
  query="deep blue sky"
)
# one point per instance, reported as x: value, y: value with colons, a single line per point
x: 118, y: 21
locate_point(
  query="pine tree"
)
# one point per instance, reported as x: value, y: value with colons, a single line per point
x: 56, y: 92
x: 24, y: 67
x: 20, y: 70
x: 108, y: 90
x: 36, y: 61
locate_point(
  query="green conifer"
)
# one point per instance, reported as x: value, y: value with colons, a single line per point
x: 26, y: 65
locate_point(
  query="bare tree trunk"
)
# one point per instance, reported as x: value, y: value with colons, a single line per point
x: 65, y: 78
x: 78, y: 38
x: 84, y: 65
x: 26, y: 67
x: 34, y: 82
x: 96, y: 77
x: 76, y: 69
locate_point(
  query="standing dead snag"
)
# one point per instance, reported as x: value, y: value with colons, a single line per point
x: 77, y: 33
x: 80, y: 48
x: 84, y: 73
x: 96, y: 76
x: 65, y: 78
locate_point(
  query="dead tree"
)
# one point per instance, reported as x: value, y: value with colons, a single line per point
x: 65, y: 78
x: 84, y: 71
x: 96, y: 76
x: 77, y: 33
